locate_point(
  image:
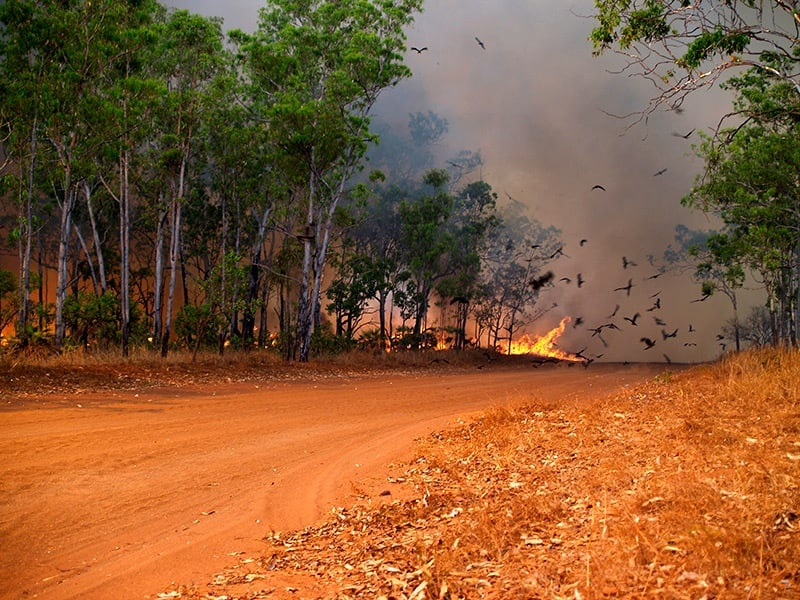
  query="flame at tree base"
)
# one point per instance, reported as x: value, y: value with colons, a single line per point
x: 544, y: 345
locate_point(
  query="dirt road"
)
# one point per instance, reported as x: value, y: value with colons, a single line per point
x: 118, y: 495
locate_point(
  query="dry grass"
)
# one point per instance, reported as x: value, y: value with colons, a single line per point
x: 686, y: 487
x: 46, y: 373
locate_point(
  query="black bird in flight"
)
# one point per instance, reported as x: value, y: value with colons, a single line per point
x: 666, y: 335
x: 658, y: 321
x: 450, y: 162
x: 613, y: 314
x: 656, y: 275
x: 480, y: 43
x: 583, y: 241
x: 581, y: 280
x: 632, y: 319
x: 691, y: 328
x: 566, y: 279
x: 656, y: 305
x: 647, y: 342
x: 419, y: 50
x: 682, y: 135
x: 627, y: 288
x: 628, y: 263
x: 661, y: 172
x: 598, y: 187
x: 703, y: 298
x: 559, y: 250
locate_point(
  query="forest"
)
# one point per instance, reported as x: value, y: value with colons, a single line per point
x: 168, y: 186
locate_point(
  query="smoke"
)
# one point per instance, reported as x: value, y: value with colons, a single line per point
x: 537, y: 105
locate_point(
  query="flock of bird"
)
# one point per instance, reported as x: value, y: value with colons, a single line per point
x: 633, y: 320
x: 646, y: 318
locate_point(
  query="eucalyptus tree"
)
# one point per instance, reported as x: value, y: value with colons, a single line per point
x: 426, y: 242
x: 683, y: 46
x: 751, y: 182
x: 55, y: 57
x: 472, y: 223
x: 190, y: 55
x: 126, y: 110
x: 22, y: 80
x: 320, y: 67
x: 516, y: 273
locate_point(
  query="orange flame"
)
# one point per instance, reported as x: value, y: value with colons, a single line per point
x: 542, y: 345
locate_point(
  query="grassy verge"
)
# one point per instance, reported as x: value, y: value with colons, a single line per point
x: 686, y: 487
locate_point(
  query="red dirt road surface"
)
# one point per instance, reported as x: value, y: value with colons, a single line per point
x: 123, y: 494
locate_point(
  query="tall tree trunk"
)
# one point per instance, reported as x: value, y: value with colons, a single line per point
x: 98, y: 248
x: 124, y: 250
x: 158, y: 277
x: 62, y: 264
x: 26, y: 246
x: 89, y: 262
x: 248, y: 319
x: 174, y: 259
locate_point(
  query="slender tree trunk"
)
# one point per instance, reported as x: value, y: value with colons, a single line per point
x: 88, y: 255
x: 26, y: 246
x: 63, y: 261
x: 124, y: 250
x: 174, y: 258
x: 158, y: 278
x: 98, y: 248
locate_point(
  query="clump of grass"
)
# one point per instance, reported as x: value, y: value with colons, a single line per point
x: 686, y: 487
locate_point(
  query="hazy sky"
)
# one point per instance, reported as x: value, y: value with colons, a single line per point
x: 535, y: 103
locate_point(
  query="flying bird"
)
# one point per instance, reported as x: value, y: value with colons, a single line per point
x: 419, y: 50
x: 628, y: 263
x: 658, y: 321
x: 583, y: 241
x: 656, y: 275
x: 614, y: 314
x: 683, y: 135
x: 661, y: 172
x: 632, y: 319
x: 581, y: 280
x: 566, y: 279
x: 656, y: 305
x: 480, y: 43
x: 647, y: 342
x: 598, y: 187
x: 667, y: 358
x: 627, y: 288
x: 559, y: 250
x: 666, y: 335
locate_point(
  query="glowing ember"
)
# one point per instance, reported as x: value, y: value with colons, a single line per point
x: 541, y: 346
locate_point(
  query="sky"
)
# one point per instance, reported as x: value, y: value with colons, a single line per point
x: 538, y: 106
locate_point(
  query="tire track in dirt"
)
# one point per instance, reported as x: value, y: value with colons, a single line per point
x: 117, y: 495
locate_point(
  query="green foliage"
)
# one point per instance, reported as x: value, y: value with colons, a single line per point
x: 92, y: 320
x: 709, y: 43
x: 646, y: 25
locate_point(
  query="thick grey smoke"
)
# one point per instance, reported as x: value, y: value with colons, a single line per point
x: 536, y: 104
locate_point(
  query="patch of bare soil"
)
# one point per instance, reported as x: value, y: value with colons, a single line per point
x: 130, y: 483
x: 682, y: 486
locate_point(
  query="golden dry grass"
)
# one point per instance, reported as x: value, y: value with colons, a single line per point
x: 686, y: 487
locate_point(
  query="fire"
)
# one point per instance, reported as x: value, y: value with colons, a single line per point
x: 543, y: 345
